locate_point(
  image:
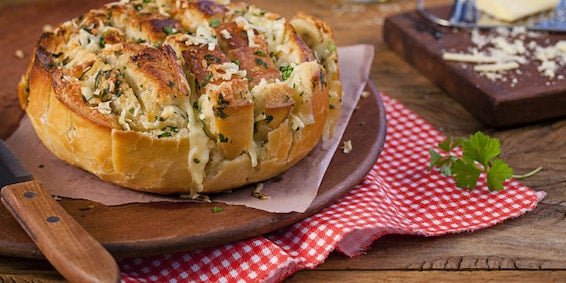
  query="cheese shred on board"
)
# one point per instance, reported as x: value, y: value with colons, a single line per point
x: 507, y: 51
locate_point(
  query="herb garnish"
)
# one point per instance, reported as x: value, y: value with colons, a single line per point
x: 206, y: 79
x: 479, y: 155
x: 331, y: 46
x: 214, y: 23
x: 286, y: 71
x: 222, y: 138
x: 211, y: 59
x: 260, y: 53
x: 261, y: 62
x: 170, y: 30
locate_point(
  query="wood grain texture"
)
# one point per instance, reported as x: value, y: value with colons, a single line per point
x: 66, y: 244
x: 531, y: 248
x: 531, y: 98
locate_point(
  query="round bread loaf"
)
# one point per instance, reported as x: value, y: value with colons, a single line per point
x: 177, y: 96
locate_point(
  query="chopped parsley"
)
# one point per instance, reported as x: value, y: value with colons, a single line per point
x: 222, y: 138
x: 222, y: 101
x: 214, y: 23
x: 261, y: 63
x: 286, y: 71
x: 102, y: 42
x: 164, y: 135
x: 208, y: 77
x: 260, y: 53
x: 172, y: 129
x: 211, y: 59
x: 331, y: 46
x: 220, y: 113
x: 168, y: 131
x: 170, y: 30
x: 217, y: 209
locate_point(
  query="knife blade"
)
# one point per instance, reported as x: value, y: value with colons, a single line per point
x: 64, y: 242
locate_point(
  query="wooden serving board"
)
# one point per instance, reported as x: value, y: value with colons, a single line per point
x: 497, y: 103
x: 157, y: 228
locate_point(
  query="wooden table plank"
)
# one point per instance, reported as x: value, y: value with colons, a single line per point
x: 529, y: 248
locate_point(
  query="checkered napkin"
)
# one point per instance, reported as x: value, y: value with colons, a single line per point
x: 398, y: 196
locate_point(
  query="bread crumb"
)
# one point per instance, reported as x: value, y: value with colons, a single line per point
x: 365, y: 94
x: 256, y: 193
x: 347, y: 146
x: 19, y: 54
x: 47, y: 28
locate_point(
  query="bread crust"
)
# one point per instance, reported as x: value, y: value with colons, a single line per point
x: 202, y: 97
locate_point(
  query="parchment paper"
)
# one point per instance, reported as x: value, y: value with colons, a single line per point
x: 293, y: 192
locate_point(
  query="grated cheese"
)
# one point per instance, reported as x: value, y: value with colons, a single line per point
x: 496, y: 53
x: 496, y: 67
x: 347, y: 146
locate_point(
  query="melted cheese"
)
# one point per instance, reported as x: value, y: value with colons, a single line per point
x: 199, y: 153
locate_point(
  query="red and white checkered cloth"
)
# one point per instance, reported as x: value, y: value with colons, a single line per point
x: 398, y: 196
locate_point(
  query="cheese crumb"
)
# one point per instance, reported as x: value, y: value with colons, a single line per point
x: 256, y: 192
x: 47, y: 28
x: 19, y: 54
x: 496, y: 53
x: 347, y: 146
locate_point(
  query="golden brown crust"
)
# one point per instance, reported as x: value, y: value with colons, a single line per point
x: 183, y: 96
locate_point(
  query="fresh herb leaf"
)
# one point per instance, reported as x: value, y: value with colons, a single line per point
x: 497, y: 174
x: 217, y: 209
x: 479, y: 155
x: 466, y: 174
x: 481, y: 148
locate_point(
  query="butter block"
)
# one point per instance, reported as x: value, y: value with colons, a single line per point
x: 512, y: 10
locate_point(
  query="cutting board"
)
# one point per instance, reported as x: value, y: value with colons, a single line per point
x: 532, y: 98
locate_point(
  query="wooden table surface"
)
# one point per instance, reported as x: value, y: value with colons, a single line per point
x: 526, y: 249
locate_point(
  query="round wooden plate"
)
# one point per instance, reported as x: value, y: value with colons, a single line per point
x: 157, y: 228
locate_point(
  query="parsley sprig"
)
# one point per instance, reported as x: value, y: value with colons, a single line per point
x: 479, y: 155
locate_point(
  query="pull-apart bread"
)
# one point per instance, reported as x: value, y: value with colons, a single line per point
x: 177, y: 96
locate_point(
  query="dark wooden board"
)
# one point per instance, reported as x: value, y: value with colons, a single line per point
x: 497, y: 103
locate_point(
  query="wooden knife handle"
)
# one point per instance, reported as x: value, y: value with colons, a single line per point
x: 66, y: 244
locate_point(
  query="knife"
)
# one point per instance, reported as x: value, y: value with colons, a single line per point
x: 66, y: 244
